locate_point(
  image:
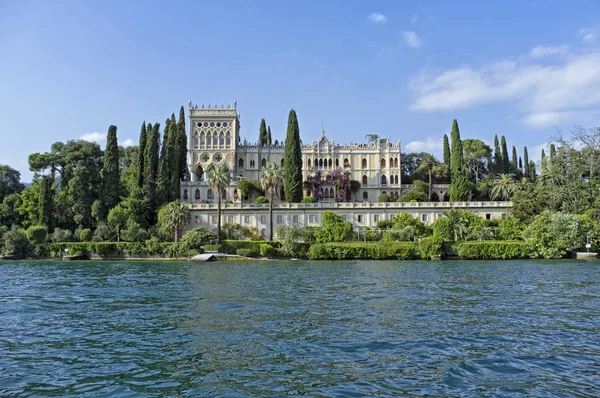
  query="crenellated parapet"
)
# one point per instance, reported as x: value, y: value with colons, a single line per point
x: 217, y: 110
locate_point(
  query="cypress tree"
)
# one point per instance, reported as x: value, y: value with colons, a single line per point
x: 459, y: 183
x: 505, y: 158
x: 292, y: 166
x: 46, y: 204
x: 520, y: 165
x: 526, y: 162
x: 151, y: 164
x: 497, y: 163
x: 142, y: 148
x: 532, y: 174
x: 544, y: 162
x: 514, y: 157
x: 552, y: 151
x: 262, y: 133
x: 111, y: 175
x: 163, y: 169
x: 172, y: 160
x: 447, y: 155
x: 269, y: 139
x: 182, y: 147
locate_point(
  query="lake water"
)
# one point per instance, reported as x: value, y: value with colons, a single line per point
x: 356, y: 328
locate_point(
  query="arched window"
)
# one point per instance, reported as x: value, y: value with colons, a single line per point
x: 326, y: 193
x: 224, y: 195
x: 364, y: 163
x: 384, y: 193
x: 228, y: 139
x: 337, y: 163
x: 320, y: 162
x: 263, y: 163
x: 330, y: 164
x: 382, y: 163
x: 252, y: 163
x: 395, y: 162
x: 197, y: 194
x: 365, y: 195
x: 196, y: 140
x: 331, y: 193
x: 365, y: 180
x: 241, y: 163
x: 185, y: 194
x: 235, y: 194
x: 346, y: 163
x: 396, y: 194
x: 309, y: 164
x: 222, y: 140
x: 215, y: 140
x: 396, y: 180
x: 202, y: 139
x: 383, y: 180
x: 210, y: 195
x: 281, y: 162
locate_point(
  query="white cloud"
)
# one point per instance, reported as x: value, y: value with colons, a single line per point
x: 377, y: 18
x: 99, y: 138
x: 544, y: 94
x: 128, y: 142
x: 430, y: 146
x: 411, y: 38
x: 543, y: 51
x: 587, y: 34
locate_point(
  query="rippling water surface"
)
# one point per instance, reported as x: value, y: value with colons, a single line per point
x: 300, y: 328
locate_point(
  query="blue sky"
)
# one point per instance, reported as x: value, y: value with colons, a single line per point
x: 399, y: 69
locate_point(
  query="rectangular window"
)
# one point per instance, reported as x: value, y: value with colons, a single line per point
x: 247, y: 219
x: 230, y: 219
x: 312, y: 219
x: 197, y: 219
x: 214, y: 219
x: 279, y: 219
x: 263, y: 219
x: 375, y: 217
x: 360, y: 218
x: 295, y: 219
x: 424, y: 217
x: 488, y: 216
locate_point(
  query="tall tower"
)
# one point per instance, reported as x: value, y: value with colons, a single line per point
x: 213, y: 137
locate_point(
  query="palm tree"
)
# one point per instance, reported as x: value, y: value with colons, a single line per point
x: 173, y: 216
x: 271, y: 179
x: 218, y: 178
x: 503, y: 187
x: 456, y: 222
x: 428, y: 163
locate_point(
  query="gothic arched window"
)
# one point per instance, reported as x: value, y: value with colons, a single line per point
x: 365, y: 195
x: 202, y: 139
x: 309, y: 163
x: 196, y: 140
x: 364, y: 163
x: 263, y: 163
x: 241, y: 163
x: 215, y: 140
x: 197, y: 194
x: 185, y: 194
x: 383, y: 180
x: 346, y: 163
x: 222, y: 140
x: 228, y: 139
x: 365, y: 180
x: 382, y: 163
x: 210, y: 195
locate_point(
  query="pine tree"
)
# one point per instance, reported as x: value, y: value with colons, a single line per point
x: 262, y: 134
x: 46, y: 204
x: 459, y: 183
x: 182, y: 147
x: 269, y: 138
x: 505, y: 158
x: 292, y: 166
x: 526, y: 162
x: 497, y: 164
x: 514, y: 158
x: 544, y: 162
x: 447, y: 155
x: 151, y: 165
x: 111, y: 174
x: 142, y: 148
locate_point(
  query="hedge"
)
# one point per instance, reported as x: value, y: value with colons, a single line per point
x: 120, y: 249
x: 493, y: 249
x: 364, y: 250
x: 267, y: 250
x: 253, y: 252
x: 231, y: 246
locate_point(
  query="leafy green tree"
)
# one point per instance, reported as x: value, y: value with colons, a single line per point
x: 428, y: 164
x: 456, y: 223
x: 292, y: 166
x: 15, y: 242
x: 503, y: 187
x: 218, y: 179
x: 505, y: 158
x: 141, y: 172
x: 384, y: 197
x: 46, y: 203
x: 199, y: 237
x: 10, y: 181
x: 262, y: 134
x: 173, y: 216
x: 117, y: 218
x: 83, y: 190
x: 410, y: 163
x: 334, y: 229
x: 510, y: 228
x: 476, y: 154
x: 289, y: 236
x: 459, y: 184
x: 37, y: 233
x: 151, y: 165
x: 551, y: 234
x: 271, y: 179
x: 403, y: 220
x: 111, y: 175
x: 447, y: 153
x: 9, y: 211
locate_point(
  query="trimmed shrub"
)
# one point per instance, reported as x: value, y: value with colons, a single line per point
x: 212, y: 248
x: 384, y: 197
x: 152, y: 248
x: 261, y: 199
x: 430, y: 247
x: 267, y: 250
x: 61, y: 235
x: 309, y: 199
x: 364, y: 250
x: 493, y: 249
x: 37, y: 233
x: 15, y: 242
x: 231, y: 246
x: 247, y: 252
x: 86, y: 235
x: 199, y: 237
